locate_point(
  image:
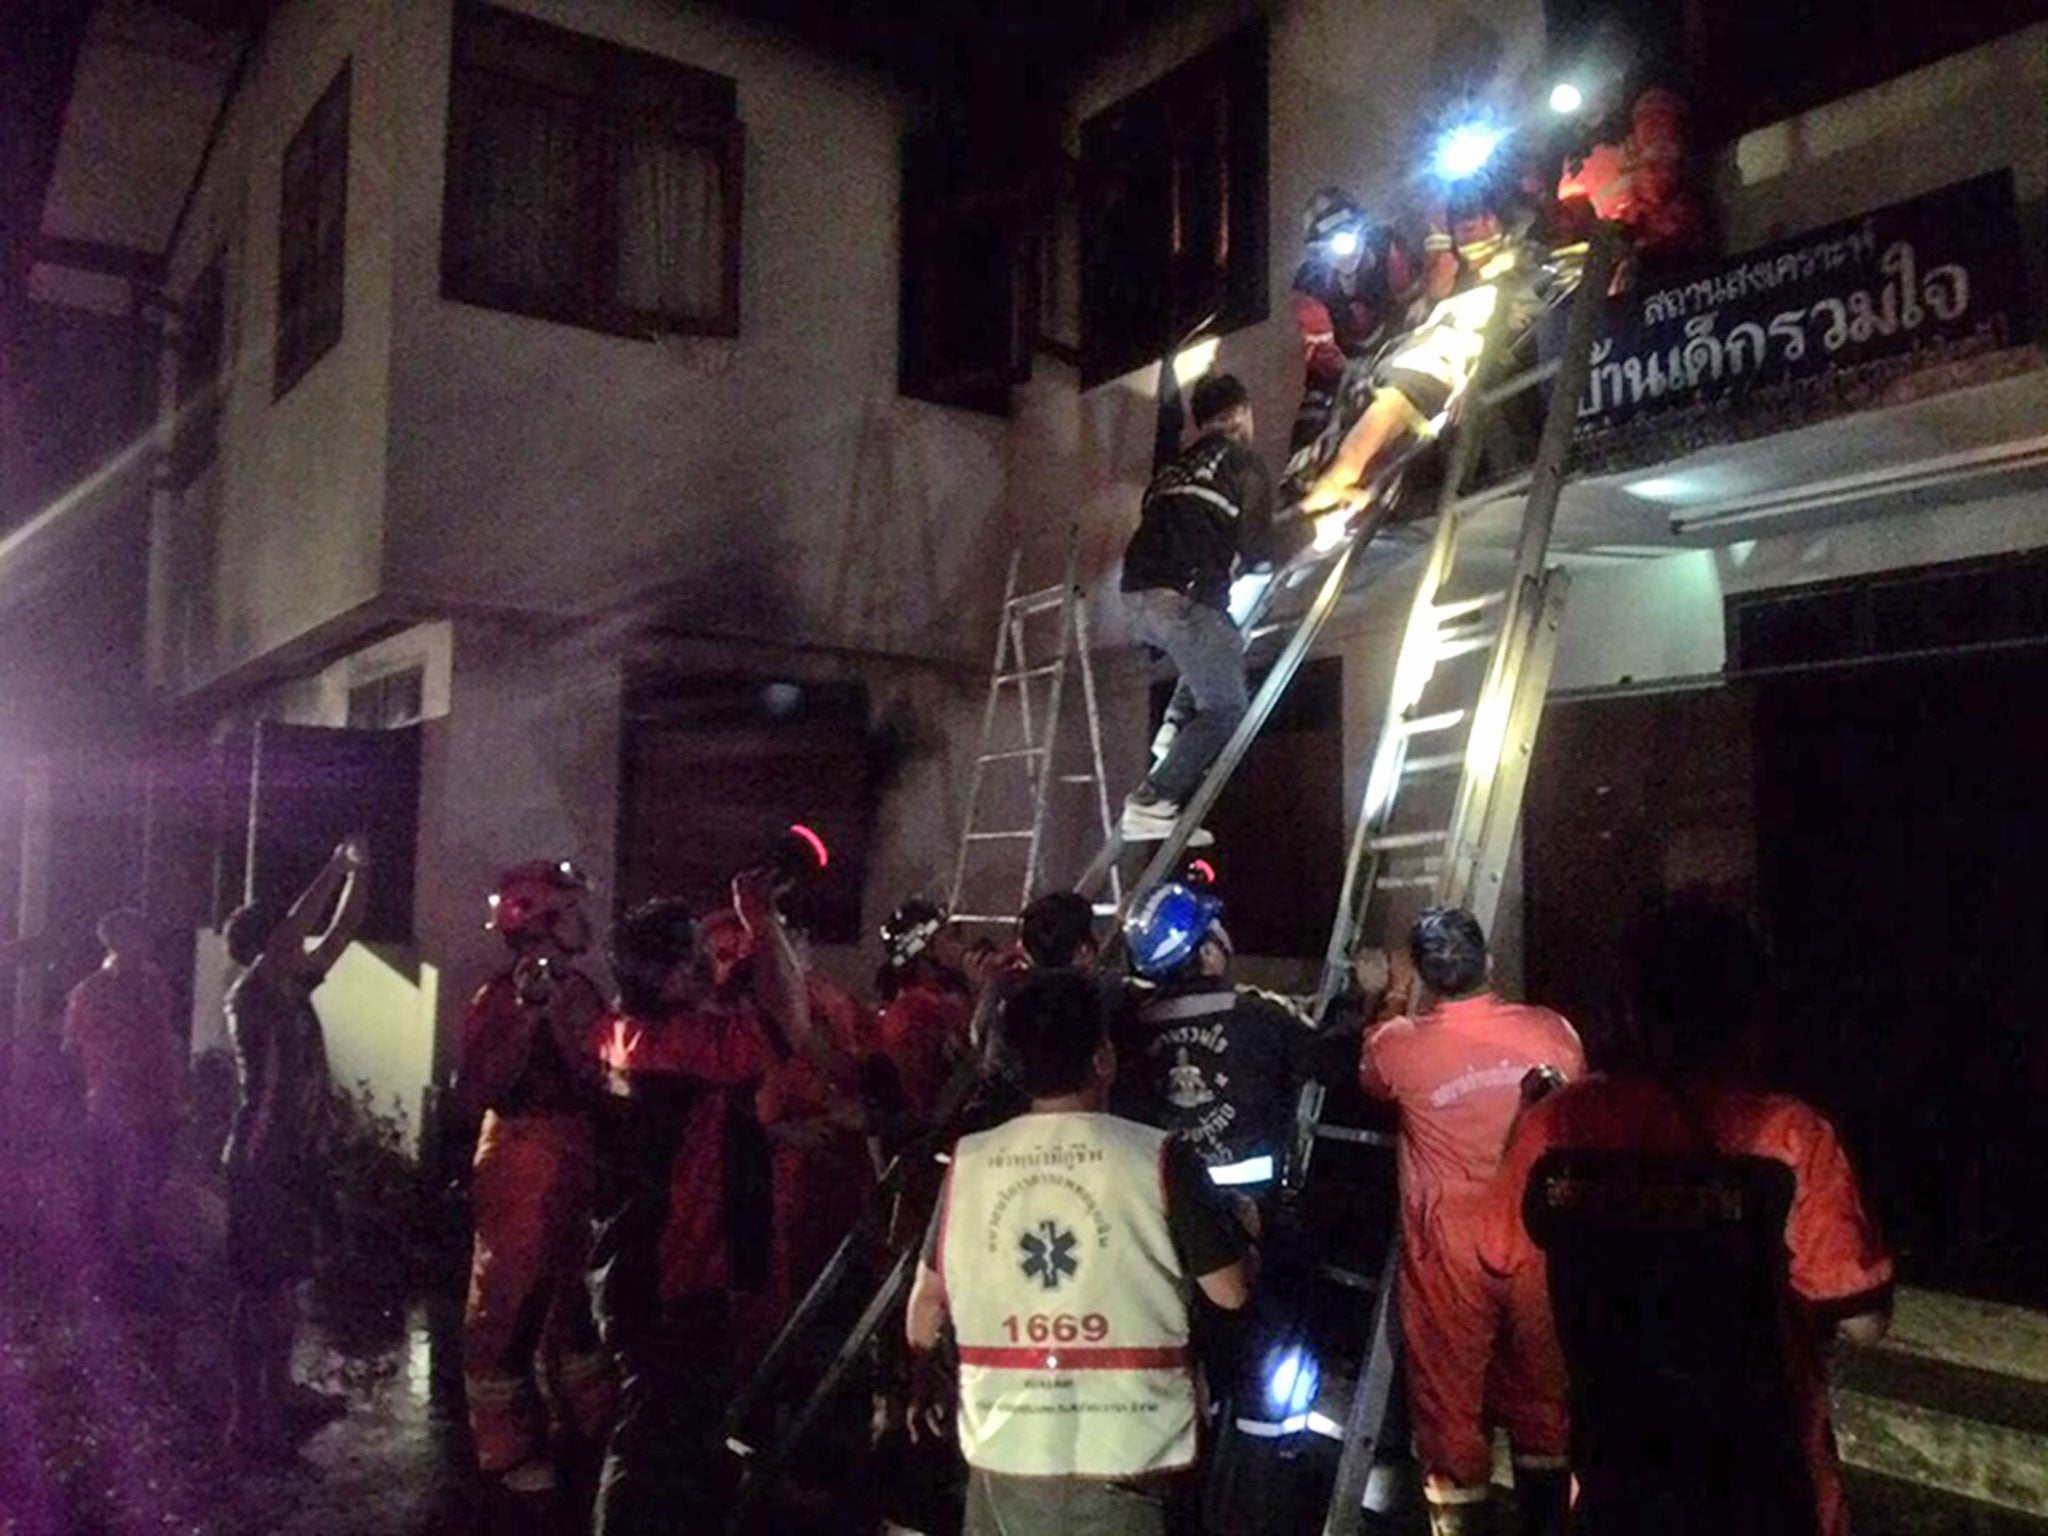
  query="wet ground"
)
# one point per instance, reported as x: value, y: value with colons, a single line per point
x: 113, y: 1382
x: 113, y: 1392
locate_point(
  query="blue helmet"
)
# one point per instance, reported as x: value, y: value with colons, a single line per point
x: 1168, y: 927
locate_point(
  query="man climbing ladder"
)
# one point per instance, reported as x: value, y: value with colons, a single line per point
x: 1207, y: 515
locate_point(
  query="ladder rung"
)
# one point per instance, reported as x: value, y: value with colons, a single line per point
x: 1423, y: 725
x: 1356, y: 1135
x: 1042, y: 600
x: 982, y: 917
x: 1464, y: 607
x: 1435, y: 763
x: 998, y: 837
x: 1011, y: 756
x: 1451, y: 650
x: 1350, y: 1279
x: 1405, y: 882
x: 1394, y: 842
x: 1106, y: 909
x: 1017, y: 677
x: 1077, y: 778
x: 1529, y: 378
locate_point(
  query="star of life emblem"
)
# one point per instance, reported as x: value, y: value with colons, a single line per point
x: 1048, y: 1251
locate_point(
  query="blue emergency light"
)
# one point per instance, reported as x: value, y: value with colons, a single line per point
x: 1344, y: 243
x: 1292, y: 1382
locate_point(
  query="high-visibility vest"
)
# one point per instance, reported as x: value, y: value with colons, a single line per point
x: 1068, y: 1300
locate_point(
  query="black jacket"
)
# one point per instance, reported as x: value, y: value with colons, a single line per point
x: 1206, y: 515
x: 1220, y: 1065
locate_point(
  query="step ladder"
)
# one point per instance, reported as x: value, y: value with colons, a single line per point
x: 1030, y: 747
x: 1444, y: 791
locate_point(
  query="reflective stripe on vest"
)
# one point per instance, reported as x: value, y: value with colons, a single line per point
x: 1068, y: 1300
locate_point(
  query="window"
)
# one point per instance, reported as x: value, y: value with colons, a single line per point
x: 2001, y: 601
x: 589, y: 183
x: 1173, y: 209
x: 201, y: 342
x: 971, y: 206
x: 387, y: 702
x: 311, y: 236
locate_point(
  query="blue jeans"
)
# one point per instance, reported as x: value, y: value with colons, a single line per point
x: 1208, y: 650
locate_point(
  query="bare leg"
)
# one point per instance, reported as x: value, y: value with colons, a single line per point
x: 1386, y: 422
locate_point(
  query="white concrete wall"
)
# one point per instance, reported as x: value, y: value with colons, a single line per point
x: 297, y: 499
x: 772, y: 486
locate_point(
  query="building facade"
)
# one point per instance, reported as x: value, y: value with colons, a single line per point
x: 529, y: 383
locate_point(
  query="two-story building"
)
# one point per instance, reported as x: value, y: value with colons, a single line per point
x: 543, y: 388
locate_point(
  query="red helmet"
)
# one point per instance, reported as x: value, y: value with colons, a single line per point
x: 531, y: 900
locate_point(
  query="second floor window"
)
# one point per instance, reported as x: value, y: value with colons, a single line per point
x: 589, y: 183
x: 1173, y: 209
x: 311, y: 236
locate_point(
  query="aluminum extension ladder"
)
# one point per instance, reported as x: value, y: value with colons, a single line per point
x: 1034, y: 746
x: 1444, y: 793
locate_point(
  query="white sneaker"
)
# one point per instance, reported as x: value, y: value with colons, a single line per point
x: 1153, y: 821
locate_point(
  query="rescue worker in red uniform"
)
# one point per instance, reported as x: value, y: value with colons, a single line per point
x: 529, y: 1339
x: 1704, y: 1243
x: 1482, y: 258
x: 819, y: 1152
x: 1476, y: 1353
x: 121, y: 1032
x: 684, y: 1205
x: 1067, y: 1250
x: 927, y: 1005
x: 1351, y: 291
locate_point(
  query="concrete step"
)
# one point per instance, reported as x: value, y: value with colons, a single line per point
x: 1953, y: 1404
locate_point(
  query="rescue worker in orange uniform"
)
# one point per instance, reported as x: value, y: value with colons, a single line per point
x: 1476, y: 1353
x: 684, y: 1208
x: 1067, y: 1250
x: 1704, y: 1243
x: 529, y: 1339
x: 816, y: 1128
x: 927, y: 1005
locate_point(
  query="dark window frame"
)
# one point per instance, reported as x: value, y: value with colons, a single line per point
x: 1140, y: 148
x: 602, y: 88
x: 312, y: 272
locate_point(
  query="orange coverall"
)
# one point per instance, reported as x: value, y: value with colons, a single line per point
x: 1476, y: 1353
x: 1836, y: 1260
x: 528, y: 1330
x: 823, y: 1173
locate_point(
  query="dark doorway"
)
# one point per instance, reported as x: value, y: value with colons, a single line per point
x: 1280, y: 823
x: 1882, y: 822
x: 714, y: 772
x: 1900, y: 830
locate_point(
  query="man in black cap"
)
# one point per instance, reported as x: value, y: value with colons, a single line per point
x: 1206, y: 516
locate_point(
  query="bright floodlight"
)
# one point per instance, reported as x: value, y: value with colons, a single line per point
x: 1465, y: 150
x: 1344, y: 243
x: 1566, y: 98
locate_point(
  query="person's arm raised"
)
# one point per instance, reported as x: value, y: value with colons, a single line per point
x: 354, y: 858
x: 779, y: 985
